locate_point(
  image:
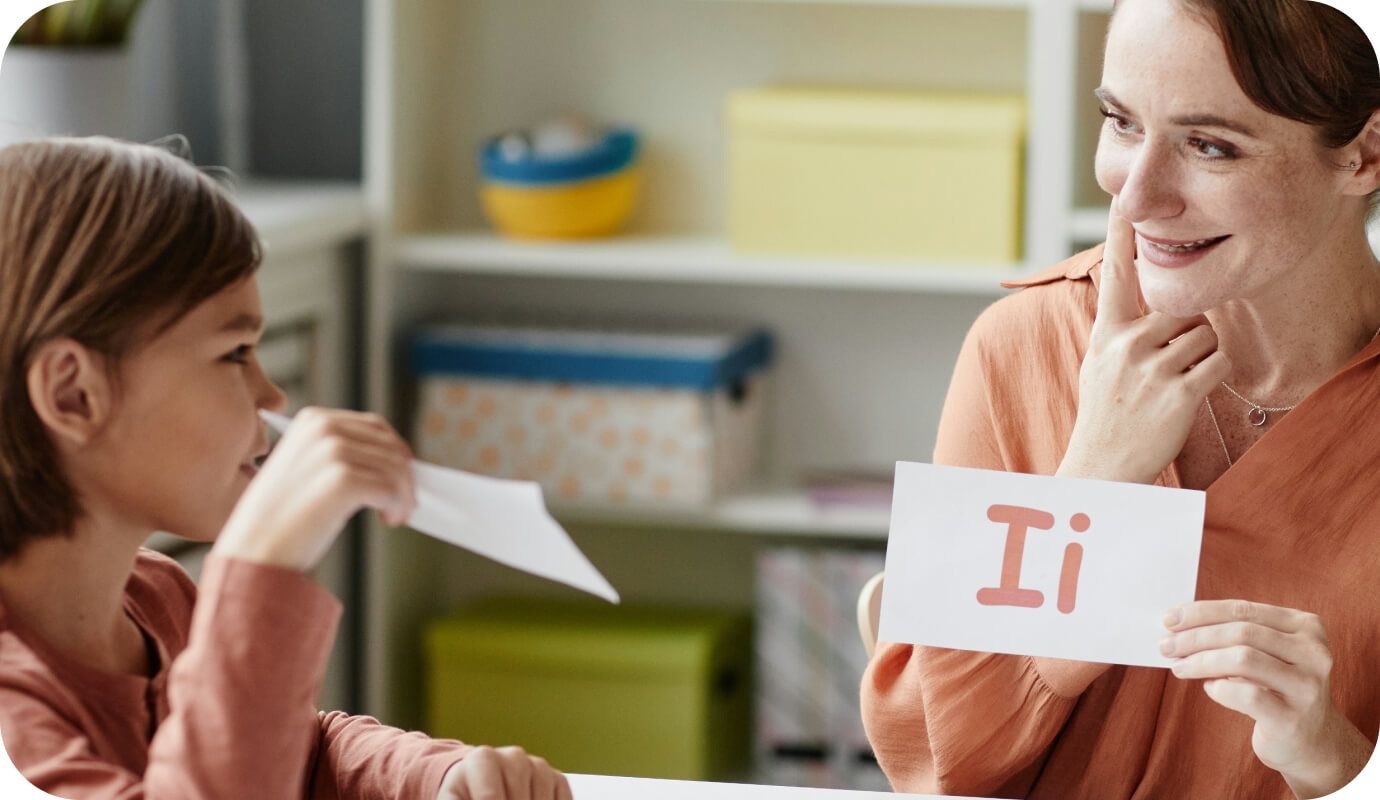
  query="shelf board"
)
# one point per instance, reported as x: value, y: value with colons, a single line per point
x: 1016, y: 5
x: 294, y: 215
x: 1006, y: 4
x: 687, y: 259
x: 1088, y: 225
x: 788, y: 512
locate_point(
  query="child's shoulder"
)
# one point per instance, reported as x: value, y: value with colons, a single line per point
x: 159, y: 579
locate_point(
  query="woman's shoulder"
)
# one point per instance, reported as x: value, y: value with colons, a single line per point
x: 1054, y: 301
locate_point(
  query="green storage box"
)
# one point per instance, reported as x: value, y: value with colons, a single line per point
x: 648, y: 692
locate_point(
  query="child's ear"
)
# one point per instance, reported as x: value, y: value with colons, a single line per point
x: 69, y: 390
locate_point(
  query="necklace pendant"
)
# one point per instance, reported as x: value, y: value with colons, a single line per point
x: 1256, y: 416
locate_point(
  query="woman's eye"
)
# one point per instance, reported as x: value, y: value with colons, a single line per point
x: 1210, y: 150
x: 1120, y: 125
x: 240, y: 355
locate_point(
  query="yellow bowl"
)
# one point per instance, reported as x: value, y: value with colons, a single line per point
x: 569, y: 210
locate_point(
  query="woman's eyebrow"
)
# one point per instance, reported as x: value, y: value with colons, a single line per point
x: 1187, y: 121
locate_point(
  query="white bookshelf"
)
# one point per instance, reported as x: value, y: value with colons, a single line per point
x: 1088, y: 224
x: 783, y: 511
x: 688, y: 259
x: 865, y: 349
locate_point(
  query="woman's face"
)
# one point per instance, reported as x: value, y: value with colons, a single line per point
x: 1227, y: 200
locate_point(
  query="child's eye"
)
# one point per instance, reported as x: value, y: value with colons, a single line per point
x: 240, y: 355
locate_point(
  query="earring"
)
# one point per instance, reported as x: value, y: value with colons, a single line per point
x: 1352, y: 165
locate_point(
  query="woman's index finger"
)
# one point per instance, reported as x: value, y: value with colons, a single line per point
x: 1118, y: 297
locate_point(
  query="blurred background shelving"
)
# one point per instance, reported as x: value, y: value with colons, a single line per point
x: 865, y: 348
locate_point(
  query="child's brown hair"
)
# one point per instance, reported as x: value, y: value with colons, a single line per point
x: 106, y: 243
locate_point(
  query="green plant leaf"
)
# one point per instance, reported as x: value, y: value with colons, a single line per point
x: 80, y: 23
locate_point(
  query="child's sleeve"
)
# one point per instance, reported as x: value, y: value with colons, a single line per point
x: 359, y: 757
x: 242, y: 720
x: 958, y: 722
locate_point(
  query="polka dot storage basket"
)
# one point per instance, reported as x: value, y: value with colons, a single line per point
x: 597, y: 417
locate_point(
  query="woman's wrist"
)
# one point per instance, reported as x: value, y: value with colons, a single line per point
x: 1338, y: 760
x: 1075, y: 465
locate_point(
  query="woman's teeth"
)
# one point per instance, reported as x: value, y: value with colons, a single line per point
x: 1186, y: 248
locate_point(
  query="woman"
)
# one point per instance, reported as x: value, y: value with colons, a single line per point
x: 1222, y: 339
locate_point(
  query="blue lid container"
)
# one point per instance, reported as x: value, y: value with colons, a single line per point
x: 611, y: 154
x: 700, y: 361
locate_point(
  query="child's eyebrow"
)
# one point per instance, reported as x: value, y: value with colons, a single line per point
x: 251, y: 323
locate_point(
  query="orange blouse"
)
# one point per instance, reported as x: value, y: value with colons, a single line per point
x: 1294, y: 523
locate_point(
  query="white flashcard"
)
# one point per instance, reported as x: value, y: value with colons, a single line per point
x: 1002, y: 562
x: 499, y: 519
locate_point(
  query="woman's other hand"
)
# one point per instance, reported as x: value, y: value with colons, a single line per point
x: 504, y: 773
x: 1142, y: 380
x: 330, y: 464
x: 1273, y: 665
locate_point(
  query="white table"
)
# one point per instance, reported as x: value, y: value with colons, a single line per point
x: 605, y: 787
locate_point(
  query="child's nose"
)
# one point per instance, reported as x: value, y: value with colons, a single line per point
x: 272, y: 398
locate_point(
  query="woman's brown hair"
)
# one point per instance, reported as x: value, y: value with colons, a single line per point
x: 109, y: 244
x: 1300, y: 60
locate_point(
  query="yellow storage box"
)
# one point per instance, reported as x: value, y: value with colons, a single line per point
x: 896, y: 175
x: 651, y: 692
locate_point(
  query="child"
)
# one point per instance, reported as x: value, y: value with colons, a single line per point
x: 129, y: 393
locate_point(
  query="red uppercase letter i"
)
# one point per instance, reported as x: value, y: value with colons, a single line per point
x: 1018, y: 519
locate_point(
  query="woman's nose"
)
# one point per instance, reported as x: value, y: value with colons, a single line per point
x: 1148, y: 189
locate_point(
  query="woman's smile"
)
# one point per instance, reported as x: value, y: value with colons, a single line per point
x: 1175, y: 254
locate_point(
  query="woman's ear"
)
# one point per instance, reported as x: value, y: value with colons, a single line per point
x: 70, y: 391
x: 1361, y: 159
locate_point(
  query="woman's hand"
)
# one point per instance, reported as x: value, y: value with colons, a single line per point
x: 1143, y: 377
x: 1273, y: 665
x: 505, y: 773
x: 329, y: 465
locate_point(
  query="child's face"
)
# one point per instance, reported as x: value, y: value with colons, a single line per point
x: 184, y: 434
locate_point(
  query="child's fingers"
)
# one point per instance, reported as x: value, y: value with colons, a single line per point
x: 543, y: 779
x: 517, y: 773
x: 481, y: 776
x: 389, y: 491
x: 321, y: 423
x: 1118, y: 297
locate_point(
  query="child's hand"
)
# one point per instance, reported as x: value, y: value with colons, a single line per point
x: 505, y: 773
x: 329, y: 465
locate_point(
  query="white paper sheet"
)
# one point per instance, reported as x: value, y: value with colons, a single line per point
x: 958, y: 576
x: 605, y: 787
x: 499, y: 519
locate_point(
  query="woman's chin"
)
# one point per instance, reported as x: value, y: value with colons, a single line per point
x: 1174, y: 299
